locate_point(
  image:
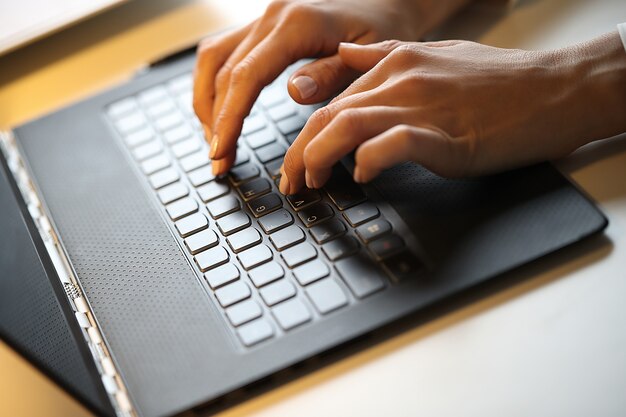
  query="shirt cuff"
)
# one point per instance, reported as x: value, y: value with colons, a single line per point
x: 621, y: 28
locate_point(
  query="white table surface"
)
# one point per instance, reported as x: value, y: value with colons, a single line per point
x: 553, y: 344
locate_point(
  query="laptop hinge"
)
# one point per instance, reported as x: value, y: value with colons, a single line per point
x: 109, y: 374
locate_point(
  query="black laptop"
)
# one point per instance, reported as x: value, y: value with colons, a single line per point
x: 147, y: 287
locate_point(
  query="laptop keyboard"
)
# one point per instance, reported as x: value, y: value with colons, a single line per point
x: 273, y: 263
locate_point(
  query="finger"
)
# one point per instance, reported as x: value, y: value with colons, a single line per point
x: 363, y: 58
x: 293, y: 167
x: 259, y: 68
x: 320, y: 80
x: 348, y: 129
x: 257, y: 33
x: 431, y: 148
x: 221, y: 166
x: 212, y: 53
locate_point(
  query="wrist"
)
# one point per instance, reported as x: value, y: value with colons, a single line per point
x: 595, y: 81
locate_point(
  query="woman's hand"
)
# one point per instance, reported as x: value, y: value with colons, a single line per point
x: 232, y: 68
x: 461, y: 109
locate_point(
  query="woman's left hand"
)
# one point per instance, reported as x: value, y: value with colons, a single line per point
x: 458, y: 108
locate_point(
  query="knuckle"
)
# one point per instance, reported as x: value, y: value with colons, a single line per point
x: 276, y: 7
x: 223, y: 75
x: 243, y: 71
x: 299, y: 11
x: 310, y: 158
x: 320, y: 118
x: 404, y: 54
x: 349, y: 120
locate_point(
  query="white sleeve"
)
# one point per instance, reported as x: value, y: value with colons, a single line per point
x: 621, y: 28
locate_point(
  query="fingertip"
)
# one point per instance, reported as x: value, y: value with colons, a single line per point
x: 302, y: 87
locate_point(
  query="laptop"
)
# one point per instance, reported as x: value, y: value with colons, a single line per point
x: 147, y: 287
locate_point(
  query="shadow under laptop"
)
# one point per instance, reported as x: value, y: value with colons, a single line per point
x: 411, y: 329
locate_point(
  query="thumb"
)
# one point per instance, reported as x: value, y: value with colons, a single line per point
x: 320, y: 80
x: 363, y: 58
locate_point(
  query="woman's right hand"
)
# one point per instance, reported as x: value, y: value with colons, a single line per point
x: 233, y: 68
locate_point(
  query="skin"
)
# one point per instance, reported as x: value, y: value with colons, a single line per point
x: 458, y: 108
x: 462, y: 109
x: 232, y: 68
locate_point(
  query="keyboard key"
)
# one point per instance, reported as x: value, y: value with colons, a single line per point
x: 244, y: 239
x: 255, y: 332
x: 260, y: 138
x: 342, y: 189
x: 147, y: 150
x: 243, y: 312
x: 223, y: 206
x: 122, y: 107
x: 232, y: 293
x: 254, y: 256
x: 186, y: 147
x: 326, y: 295
x: 291, y: 314
x: 201, y: 241
x: 270, y: 152
x: 160, y: 108
x: 233, y: 223
x: 290, y: 125
x: 361, y: 275
x: 298, y: 254
x: 373, y: 230
x: 169, y: 121
x: 266, y: 273
x: 287, y: 237
x: 194, y: 161
x: 304, y: 198
x: 282, y: 111
x: 212, y: 190
x: 278, y: 291
x: 327, y: 231
x: 191, y: 224
x: 241, y: 158
x: 153, y: 94
x: 163, y: 178
x: 243, y: 173
x: 271, y: 96
x: 177, y: 134
x: 211, y: 258
x: 291, y: 138
x: 402, y: 266
x: 140, y: 136
x: 311, y: 272
x: 173, y: 192
x: 275, y: 221
x: 386, y: 246
x: 154, y: 164
x: 361, y: 214
x: 340, y: 248
x: 222, y: 275
x: 201, y: 176
x: 252, y: 124
x: 254, y: 188
x: 315, y: 214
x: 181, y: 208
x: 273, y: 168
x: 265, y: 204
x: 185, y: 102
x: 131, y: 123
x: 180, y: 84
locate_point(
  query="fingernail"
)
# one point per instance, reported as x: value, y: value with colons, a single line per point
x: 216, y: 167
x: 308, y: 180
x: 207, y: 132
x: 305, y: 85
x: 348, y: 45
x: 214, y: 144
x: 284, y: 184
x: 358, y: 176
